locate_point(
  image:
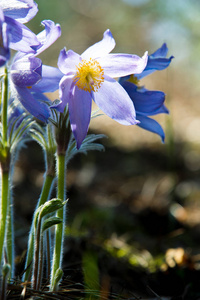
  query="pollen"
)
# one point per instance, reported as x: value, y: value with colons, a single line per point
x: 89, y: 76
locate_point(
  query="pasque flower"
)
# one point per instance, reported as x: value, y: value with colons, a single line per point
x: 30, y: 79
x: 148, y: 103
x: 13, y: 34
x: 90, y: 76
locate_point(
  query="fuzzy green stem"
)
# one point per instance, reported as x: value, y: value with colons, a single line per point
x: 5, y: 164
x: 46, y: 190
x: 36, y: 266
x: 59, y: 230
x: 45, y: 194
x: 4, y: 209
x: 48, y: 259
x: 41, y: 263
x: 5, y: 109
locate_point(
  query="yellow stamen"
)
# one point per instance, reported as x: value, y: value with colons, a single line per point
x: 133, y: 79
x: 29, y: 87
x: 89, y: 75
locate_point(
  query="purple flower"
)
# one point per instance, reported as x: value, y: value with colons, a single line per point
x: 148, y: 103
x: 30, y: 79
x: 90, y: 76
x: 13, y: 34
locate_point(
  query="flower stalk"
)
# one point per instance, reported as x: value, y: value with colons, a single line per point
x: 4, y: 208
x: 38, y: 238
x: 5, y: 166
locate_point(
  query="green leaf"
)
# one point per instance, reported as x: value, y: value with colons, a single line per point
x: 51, y: 222
x: 87, y: 145
x: 51, y: 206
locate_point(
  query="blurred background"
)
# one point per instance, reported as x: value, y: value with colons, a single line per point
x: 135, y: 208
x: 137, y: 26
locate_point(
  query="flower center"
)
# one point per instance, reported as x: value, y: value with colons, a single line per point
x: 89, y: 75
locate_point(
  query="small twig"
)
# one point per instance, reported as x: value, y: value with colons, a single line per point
x: 23, y: 293
x: 46, y: 295
x: 29, y: 265
x: 185, y: 292
x: 154, y: 292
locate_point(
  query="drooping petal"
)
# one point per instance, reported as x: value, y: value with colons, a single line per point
x: 65, y: 90
x: 21, y: 10
x: 67, y: 61
x: 105, y: 46
x: 80, y: 112
x: 117, y: 65
x: 146, y: 102
x: 156, y: 64
x: 157, y: 61
x: 162, y: 110
x: 48, y: 36
x: 114, y: 101
x: 26, y: 72
x: 21, y: 38
x: 160, y: 52
x: 38, y: 109
x: 50, y: 80
x: 151, y: 125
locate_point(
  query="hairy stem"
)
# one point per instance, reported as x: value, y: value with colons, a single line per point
x: 59, y: 230
x: 36, y: 253
x: 5, y: 164
x: 41, y: 262
x: 48, y: 257
x: 4, y: 208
